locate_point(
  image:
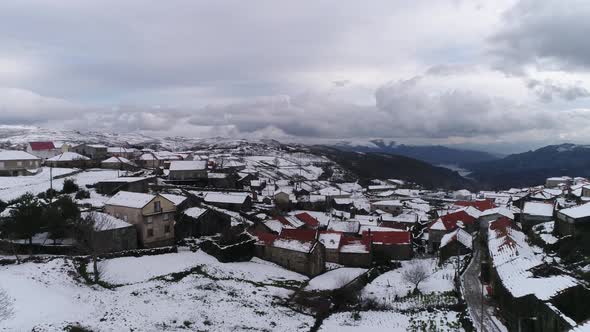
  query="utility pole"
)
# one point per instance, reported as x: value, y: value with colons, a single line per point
x: 50, y: 184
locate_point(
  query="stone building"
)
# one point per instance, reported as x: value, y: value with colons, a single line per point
x: 152, y: 216
x: 198, y: 221
x: 295, y: 249
x: 112, y: 234
x: 15, y: 163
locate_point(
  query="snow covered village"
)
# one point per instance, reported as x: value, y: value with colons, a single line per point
x: 243, y: 235
x: 294, y: 166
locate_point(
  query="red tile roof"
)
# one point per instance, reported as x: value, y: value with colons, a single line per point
x: 303, y: 235
x: 450, y: 220
x: 346, y: 240
x: 388, y: 238
x: 502, y: 222
x: 308, y: 219
x: 481, y: 205
x: 266, y: 238
x: 38, y: 146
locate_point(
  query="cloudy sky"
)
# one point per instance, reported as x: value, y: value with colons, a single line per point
x: 497, y: 75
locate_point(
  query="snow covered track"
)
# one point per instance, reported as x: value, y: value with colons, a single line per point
x: 473, y: 294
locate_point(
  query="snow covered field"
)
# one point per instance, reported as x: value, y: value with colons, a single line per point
x: 14, y: 187
x: 49, y: 296
x: 334, y: 279
x: 392, y: 321
x: 391, y: 284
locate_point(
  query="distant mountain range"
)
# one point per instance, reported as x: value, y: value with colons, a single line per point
x: 533, y: 167
x: 433, y: 154
x: 378, y: 165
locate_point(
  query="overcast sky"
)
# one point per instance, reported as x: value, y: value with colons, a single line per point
x: 497, y: 75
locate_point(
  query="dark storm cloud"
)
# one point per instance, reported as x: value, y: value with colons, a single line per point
x: 549, y: 34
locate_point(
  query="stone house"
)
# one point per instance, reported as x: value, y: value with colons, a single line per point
x: 124, y: 183
x: 112, y: 234
x: 152, y: 216
x: 493, y: 214
x: 42, y: 150
x: 355, y: 252
x: 69, y: 160
x: 574, y: 220
x: 120, y: 163
x: 448, y: 223
x: 197, y: 221
x: 457, y: 242
x: 235, y: 201
x: 534, y: 213
x: 533, y: 295
x: 393, y: 207
x: 15, y: 163
x: 393, y: 245
x: 187, y: 170
x: 92, y: 151
x: 128, y: 153
x: 295, y: 249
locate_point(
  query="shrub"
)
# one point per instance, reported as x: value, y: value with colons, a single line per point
x: 82, y: 194
x: 70, y: 186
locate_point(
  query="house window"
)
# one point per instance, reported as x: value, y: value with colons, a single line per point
x: 166, y: 216
x: 1, y: 164
x: 157, y: 206
x: 125, y: 218
x: 149, y: 220
x: 19, y: 163
x: 150, y: 232
x: 167, y: 229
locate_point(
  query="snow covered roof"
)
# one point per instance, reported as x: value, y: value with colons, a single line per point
x: 121, y: 150
x: 457, y: 235
x: 127, y: 179
x: 350, y: 226
x: 330, y: 240
x: 499, y: 210
x: 68, y: 156
x: 118, y: 160
x: 293, y: 245
x: 515, y: 261
x: 538, y: 209
x: 16, y: 155
x: 194, y: 212
x: 226, y: 198
x: 275, y: 225
x: 393, y: 202
x: 105, y: 221
x: 175, y: 199
x: 188, y: 165
x: 130, y: 199
x: 580, y: 211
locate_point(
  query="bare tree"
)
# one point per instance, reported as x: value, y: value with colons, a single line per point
x: 88, y: 227
x: 416, y: 273
x: 6, y: 305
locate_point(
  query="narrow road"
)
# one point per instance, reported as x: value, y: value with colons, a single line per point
x: 472, y: 291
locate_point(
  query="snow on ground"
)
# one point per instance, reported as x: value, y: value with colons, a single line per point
x: 545, y: 232
x: 391, y: 285
x: 14, y: 187
x: 334, y: 279
x: 392, y: 321
x: 48, y: 297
